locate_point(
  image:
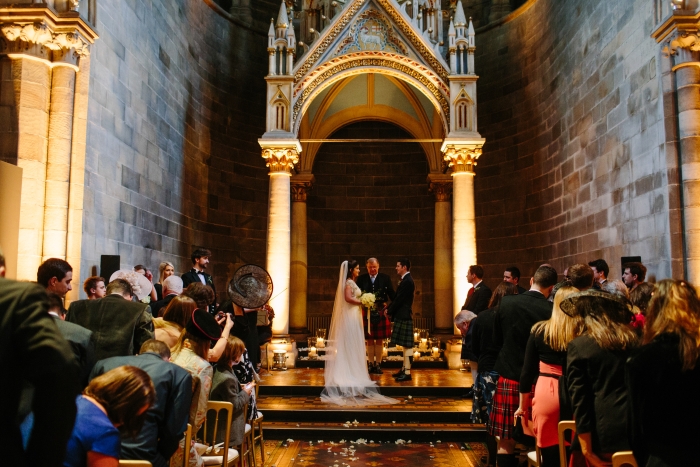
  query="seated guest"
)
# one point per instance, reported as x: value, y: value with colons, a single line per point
x: 119, y: 326
x: 141, y: 269
x: 95, y: 287
x: 165, y: 270
x: 172, y: 288
x: 112, y: 404
x: 177, y: 314
x: 202, y: 294
x: 616, y: 287
x: 580, y: 276
x: 191, y: 352
x: 79, y: 338
x: 166, y: 420
x: 595, y: 373
x: 668, y: 364
x: 246, y: 374
x: 55, y: 275
x: 226, y: 387
x: 486, y: 353
x: 545, y: 357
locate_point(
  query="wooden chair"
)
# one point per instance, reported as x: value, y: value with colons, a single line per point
x: 219, y: 455
x: 564, y: 426
x: 248, y: 448
x: 186, y: 451
x: 135, y: 463
x: 258, y: 425
x: 624, y: 458
x: 534, y: 458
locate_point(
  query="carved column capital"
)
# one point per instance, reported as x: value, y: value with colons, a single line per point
x: 301, y: 184
x: 280, y: 159
x: 442, y: 190
x: 461, y: 158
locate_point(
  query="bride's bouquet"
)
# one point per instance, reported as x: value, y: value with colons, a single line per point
x: 368, y: 300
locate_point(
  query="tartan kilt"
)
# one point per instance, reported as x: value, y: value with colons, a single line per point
x: 505, y: 402
x: 381, y: 330
x: 402, y: 334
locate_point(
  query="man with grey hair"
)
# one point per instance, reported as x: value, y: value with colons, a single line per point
x: 462, y: 322
x: 172, y: 287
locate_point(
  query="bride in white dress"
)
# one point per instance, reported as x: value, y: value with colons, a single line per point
x: 347, y: 380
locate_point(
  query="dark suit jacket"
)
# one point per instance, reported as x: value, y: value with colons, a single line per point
x: 596, y: 382
x: 382, y: 284
x: 82, y: 344
x: 119, y: 326
x: 158, y: 308
x: 521, y: 290
x: 400, y: 307
x: 514, y: 319
x: 167, y: 419
x: 479, y: 301
x: 33, y: 351
x: 192, y: 276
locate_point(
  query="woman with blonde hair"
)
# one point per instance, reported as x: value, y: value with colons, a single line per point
x: 666, y: 366
x: 545, y: 356
x: 165, y: 269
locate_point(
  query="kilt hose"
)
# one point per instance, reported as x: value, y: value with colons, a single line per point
x: 402, y: 334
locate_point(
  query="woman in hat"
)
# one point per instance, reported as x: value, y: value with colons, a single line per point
x: 595, y: 373
x: 545, y: 356
x: 191, y: 353
x: 667, y: 369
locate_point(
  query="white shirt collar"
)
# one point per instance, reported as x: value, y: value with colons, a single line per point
x: 407, y: 273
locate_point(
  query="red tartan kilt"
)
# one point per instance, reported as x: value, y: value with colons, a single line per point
x: 505, y: 402
x: 379, y: 331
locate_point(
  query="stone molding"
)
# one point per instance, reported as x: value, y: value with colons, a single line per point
x: 462, y: 158
x: 442, y: 190
x: 280, y: 159
x: 301, y: 185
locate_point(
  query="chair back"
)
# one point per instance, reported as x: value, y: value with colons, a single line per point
x: 624, y: 458
x: 564, y: 426
x: 217, y: 407
x: 133, y: 463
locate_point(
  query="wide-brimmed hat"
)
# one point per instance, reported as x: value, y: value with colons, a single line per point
x: 251, y: 286
x: 568, y: 305
x: 140, y: 285
x: 203, y: 325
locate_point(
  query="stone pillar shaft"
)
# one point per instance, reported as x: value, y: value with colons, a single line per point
x: 299, y: 256
x: 443, y: 253
x: 463, y: 235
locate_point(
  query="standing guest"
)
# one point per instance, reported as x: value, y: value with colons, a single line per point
x: 668, y: 364
x: 141, y: 269
x: 200, y: 261
x: 580, y: 276
x: 486, y: 353
x: 479, y: 295
x: 227, y: 388
x: 560, y: 284
x: 401, y: 314
x: 200, y: 293
x: 120, y: 326
x: 80, y: 339
x: 633, y: 274
x: 33, y: 352
x: 377, y: 327
x: 265, y: 329
x: 191, y: 353
x: 601, y: 270
x: 166, y: 420
x: 545, y: 357
x: 462, y: 322
x: 165, y: 270
x: 112, y: 405
x: 177, y: 314
x: 94, y: 287
x: 512, y: 275
x: 55, y: 275
x: 172, y: 287
x: 515, y: 317
x: 595, y: 373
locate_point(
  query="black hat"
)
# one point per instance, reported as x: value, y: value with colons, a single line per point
x: 203, y: 325
x: 251, y: 286
x: 568, y: 305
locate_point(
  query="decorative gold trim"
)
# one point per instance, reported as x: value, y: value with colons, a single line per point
x: 391, y: 37
x: 280, y: 159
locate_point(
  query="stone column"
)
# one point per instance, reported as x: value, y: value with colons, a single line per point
x: 461, y: 157
x: 441, y: 187
x: 301, y: 184
x: 280, y: 157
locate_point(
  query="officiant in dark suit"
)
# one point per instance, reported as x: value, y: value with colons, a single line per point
x: 477, y: 301
x: 200, y: 261
x: 379, y: 327
x: 401, y: 314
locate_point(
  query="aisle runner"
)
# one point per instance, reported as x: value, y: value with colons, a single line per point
x: 350, y: 454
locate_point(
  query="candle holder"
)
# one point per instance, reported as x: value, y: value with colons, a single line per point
x: 279, y: 362
x: 313, y: 352
x: 321, y: 333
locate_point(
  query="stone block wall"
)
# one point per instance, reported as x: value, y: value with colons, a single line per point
x: 172, y: 156
x: 574, y: 166
x: 370, y: 199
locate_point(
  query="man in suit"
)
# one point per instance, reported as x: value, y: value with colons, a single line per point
x: 32, y: 352
x: 167, y: 418
x: 512, y: 275
x: 119, y: 325
x: 515, y: 317
x: 479, y: 295
x: 600, y: 273
x: 401, y: 314
x: 79, y: 338
x: 56, y: 276
x: 200, y: 261
x: 379, y: 284
x: 172, y: 287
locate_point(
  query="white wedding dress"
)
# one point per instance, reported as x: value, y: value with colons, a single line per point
x: 347, y: 380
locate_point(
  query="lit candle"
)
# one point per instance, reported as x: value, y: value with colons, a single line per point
x: 385, y: 352
x: 320, y: 344
x: 423, y: 344
x: 436, y: 352
x: 416, y: 354
x: 312, y: 352
x: 415, y: 337
x: 399, y: 347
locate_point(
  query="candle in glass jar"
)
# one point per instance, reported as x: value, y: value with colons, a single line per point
x: 385, y: 352
x: 416, y: 354
x: 415, y: 336
x: 436, y: 352
x: 423, y: 344
x: 313, y: 352
x: 320, y: 344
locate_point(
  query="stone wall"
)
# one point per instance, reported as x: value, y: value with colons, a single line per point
x: 370, y: 199
x: 574, y: 166
x: 172, y: 156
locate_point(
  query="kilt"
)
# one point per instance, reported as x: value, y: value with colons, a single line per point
x: 381, y: 330
x: 402, y: 334
x: 505, y: 402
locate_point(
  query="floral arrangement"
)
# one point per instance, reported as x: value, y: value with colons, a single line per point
x: 367, y: 300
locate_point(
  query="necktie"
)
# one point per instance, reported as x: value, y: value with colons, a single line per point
x: 470, y: 293
x: 373, y: 277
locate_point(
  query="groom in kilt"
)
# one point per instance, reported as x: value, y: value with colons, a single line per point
x: 400, y: 314
x: 377, y: 325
